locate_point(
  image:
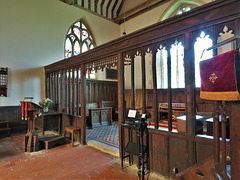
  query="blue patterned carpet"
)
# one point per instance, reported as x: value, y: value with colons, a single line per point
x: 105, y: 134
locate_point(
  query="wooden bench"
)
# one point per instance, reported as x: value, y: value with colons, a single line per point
x: 112, y: 104
x: 4, y: 126
x: 100, y: 116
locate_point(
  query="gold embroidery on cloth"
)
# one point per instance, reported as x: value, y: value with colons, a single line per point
x: 213, y: 78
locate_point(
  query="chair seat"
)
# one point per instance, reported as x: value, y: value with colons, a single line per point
x: 72, y: 130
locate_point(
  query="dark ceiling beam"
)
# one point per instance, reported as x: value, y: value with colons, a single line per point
x: 96, y: 3
x: 89, y: 4
x: 102, y: 3
x: 108, y: 4
x: 138, y: 10
x: 120, y: 7
x: 114, y: 6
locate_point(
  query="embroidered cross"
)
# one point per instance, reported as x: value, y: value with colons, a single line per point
x: 213, y: 77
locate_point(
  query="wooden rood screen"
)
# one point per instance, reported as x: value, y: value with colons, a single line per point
x: 169, y: 149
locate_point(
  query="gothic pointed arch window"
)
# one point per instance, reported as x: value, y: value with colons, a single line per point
x: 178, y: 7
x: 79, y: 39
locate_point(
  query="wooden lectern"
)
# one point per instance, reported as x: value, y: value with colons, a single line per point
x: 29, y: 111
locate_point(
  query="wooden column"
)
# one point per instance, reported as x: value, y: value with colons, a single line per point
x: 169, y: 92
x: 143, y: 82
x: 133, y: 81
x: 77, y: 91
x: 83, y: 104
x: 190, y: 100
x: 216, y: 133
x: 155, y: 98
x: 69, y: 91
x: 57, y: 91
x: 46, y: 84
x: 73, y: 86
x: 224, y: 136
x: 121, y: 96
x: 61, y: 91
x: 65, y: 93
x: 52, y: 89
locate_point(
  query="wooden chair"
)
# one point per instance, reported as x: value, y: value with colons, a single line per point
x: 72, y: 130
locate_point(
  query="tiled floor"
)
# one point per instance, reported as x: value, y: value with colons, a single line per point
x: 63, y: 162
x: 105, y: 136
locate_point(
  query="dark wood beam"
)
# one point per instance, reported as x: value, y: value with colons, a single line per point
x: 140, y: 9
x: 95, y: 6
x: 114, y: 6
x: 109, y: 2
x: 102, y: 3
x: 89, y: 4
x: 120, y: 7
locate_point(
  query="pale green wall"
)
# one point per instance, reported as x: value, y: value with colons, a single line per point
x: 32, y: 34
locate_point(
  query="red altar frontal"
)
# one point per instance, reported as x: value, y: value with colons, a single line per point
x: 30, y: 111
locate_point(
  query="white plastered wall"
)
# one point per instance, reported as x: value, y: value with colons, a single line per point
x: 32, y: 34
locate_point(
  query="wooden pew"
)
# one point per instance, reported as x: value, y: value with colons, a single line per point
x: 113, y: 105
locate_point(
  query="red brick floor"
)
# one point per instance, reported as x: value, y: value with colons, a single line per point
x: 63, y: 162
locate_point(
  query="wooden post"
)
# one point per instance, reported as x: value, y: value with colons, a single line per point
x: 169, y: 94
x: 57, y: 91
x: 190, y: 99
x: 73, y: 86
x: 143, y: 82
x: 224, y: 145
x: 83, y: 104
x: 61, y: 90
x: 65, y: 92
x: 216, y: 133
x: 133, y: 81
x: 155, y: 98
x: 69, y: 91
x: 77, y: 92
x: 46, y: 84
x: 121, y: 98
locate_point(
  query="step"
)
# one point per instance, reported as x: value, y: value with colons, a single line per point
x: 4, y: 122
x: 5, y: 129
x: 50, y: 141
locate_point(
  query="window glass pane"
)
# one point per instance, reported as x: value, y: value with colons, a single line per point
x: 148, y: 70
x: 91, y: 46
x: 76, y: 32
x: 84, y: 35
x: 72, y: 37
x: 76, y: 48
x: 84, y: 47
x: 88, y: 42
x: 68, y: 48
x: 83, y: 26
x: 77, y: 24
x: 202, y: 42
x: 70, y: 31
x: 177, y: 66
x: 161, y: 68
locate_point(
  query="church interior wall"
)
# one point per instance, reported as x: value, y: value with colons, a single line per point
x: 32, y: 36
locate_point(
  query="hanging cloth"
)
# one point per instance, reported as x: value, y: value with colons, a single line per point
x: 220, y: 77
